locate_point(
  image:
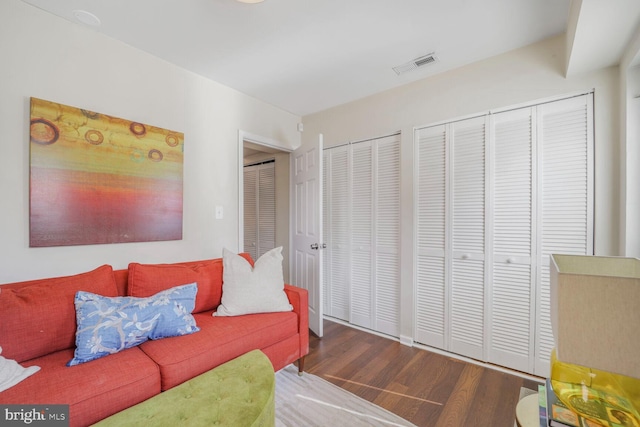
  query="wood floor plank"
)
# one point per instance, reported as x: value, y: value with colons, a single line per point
x: 456, y: 410
x: 486, y: 407
x: 426, y: 388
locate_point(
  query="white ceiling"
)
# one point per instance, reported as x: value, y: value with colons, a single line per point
x: 305, y: 56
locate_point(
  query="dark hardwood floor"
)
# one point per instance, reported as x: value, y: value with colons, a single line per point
x: 428, y: 389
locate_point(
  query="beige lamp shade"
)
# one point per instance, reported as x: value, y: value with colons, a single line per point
x: 595, y: 312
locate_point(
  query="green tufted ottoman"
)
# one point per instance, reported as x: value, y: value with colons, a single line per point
x: 237, y: 393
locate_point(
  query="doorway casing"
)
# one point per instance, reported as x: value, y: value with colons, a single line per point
x: 268, y: 146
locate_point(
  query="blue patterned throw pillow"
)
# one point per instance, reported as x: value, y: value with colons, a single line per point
x: 108, y: 325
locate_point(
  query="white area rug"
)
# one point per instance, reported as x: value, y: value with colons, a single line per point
x: 311, y: 401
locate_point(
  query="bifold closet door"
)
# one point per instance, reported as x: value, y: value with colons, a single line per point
x: 495, y: 196
x: 374, y: 234
x: 266, y: 209
x: 387, y: 235
x: 362, y: 232
x: 250, y: 211
x: 468, y: 142
x: 511, y: 294
x: 431, y: 187
x: 565, y: 207
x: 259, y: 209
x: 336, y: 213
x: 451, y: 198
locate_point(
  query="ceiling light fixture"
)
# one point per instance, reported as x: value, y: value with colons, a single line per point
x: 250, y: 1
x: 87, y: 18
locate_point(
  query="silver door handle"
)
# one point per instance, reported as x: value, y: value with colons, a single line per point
x: 316, y: 246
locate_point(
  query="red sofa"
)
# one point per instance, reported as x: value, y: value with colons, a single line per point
x: 37, y: 327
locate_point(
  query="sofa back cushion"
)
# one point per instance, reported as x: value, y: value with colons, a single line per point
x: 40, y: 318
x: 149, y: 279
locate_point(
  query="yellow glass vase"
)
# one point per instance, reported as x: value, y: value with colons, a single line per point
x: 600, y: 396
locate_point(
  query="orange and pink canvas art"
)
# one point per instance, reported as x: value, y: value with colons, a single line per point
x: 99, y: 179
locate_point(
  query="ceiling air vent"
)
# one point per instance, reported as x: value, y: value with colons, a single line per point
x: 418, y: 62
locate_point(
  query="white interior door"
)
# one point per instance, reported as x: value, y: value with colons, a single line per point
x: 306, y: 232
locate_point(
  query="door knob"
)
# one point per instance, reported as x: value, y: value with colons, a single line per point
x: 314, y: 246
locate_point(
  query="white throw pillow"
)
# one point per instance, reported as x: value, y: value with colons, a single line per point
x: 11, y: 373
x: 247, y: 290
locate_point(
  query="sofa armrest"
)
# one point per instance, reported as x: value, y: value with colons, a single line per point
x: 299, y: 299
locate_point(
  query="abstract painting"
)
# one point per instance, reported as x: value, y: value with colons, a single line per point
x: 99, y: 179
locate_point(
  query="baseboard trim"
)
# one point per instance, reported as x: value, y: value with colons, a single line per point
x: 405, y: 340
x: 360, y: 328
x: 481, y: 363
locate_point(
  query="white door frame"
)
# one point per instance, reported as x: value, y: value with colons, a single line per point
x: 269, y: 143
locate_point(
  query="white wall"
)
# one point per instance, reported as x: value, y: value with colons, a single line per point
x: 630, y: 148
x: 524, y: 75
x: 47, y: 57
x: 630, y: 162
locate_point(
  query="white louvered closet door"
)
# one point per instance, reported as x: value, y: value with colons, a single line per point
x: 362, y: 232
x: 387, y: 235
x: 362, y: 235
x: 266, y: 209
x: 468, y: 204
x: 491, y: 207
x: 326, y: 233
x: 431, y: 224
x: 511, y: 332
x: 565, y: 207
x: 250, y: 211
x: 259, y: 209
x: 337, y: 233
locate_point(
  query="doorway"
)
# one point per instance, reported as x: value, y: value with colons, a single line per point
x: 272, y: 205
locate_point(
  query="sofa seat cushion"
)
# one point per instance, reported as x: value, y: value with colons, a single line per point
x: 93, y: 390
x: 220, y: 339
